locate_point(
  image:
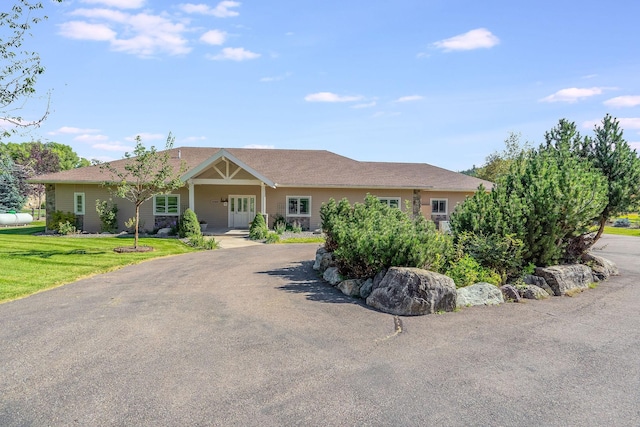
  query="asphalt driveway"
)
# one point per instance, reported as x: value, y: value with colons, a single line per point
x: 250, y: 336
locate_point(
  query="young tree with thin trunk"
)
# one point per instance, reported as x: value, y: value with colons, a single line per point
x: 147, y: 173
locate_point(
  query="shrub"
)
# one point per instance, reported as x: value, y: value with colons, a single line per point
x: 258, y: 229
x: 622, y: 222
x: 200, y: 242
x: 331, y: 212
x: 66, y: 228
x: 279, y: 227
x: 372, y: 236
x: 130, y: 225
x: 108, y: 213
x: 468, y: 271
x: 500, y: 253
x: 188, y: 225
x: 59, y: 217
x: 272, y: 237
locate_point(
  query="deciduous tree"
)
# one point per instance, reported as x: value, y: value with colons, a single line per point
x: 145, y: 174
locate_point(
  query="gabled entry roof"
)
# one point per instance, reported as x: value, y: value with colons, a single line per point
x: 297, y: 168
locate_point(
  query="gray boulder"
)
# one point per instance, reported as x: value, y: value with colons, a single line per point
x: 479, y: 294
x: 602, y: 268
x: 163, y: 232
x: 378, y: 278
x: 408, y: 291
x: 332, y: 276
x: 539, y: 282
x: 350, y: 287
x: 324, y: 260
x: 510, y: 293
x: 564, y: 278
x: 533, y: 292
x: 366, y: 288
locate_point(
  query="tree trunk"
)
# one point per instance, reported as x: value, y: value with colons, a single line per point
x: 603, y: 221
x: 135, y: 236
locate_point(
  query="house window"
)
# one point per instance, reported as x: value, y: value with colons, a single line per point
x: 78, y: 203
x: 439, y: 206
x: 166, y: 204
x: 298, y: 206
x: 392, y: 202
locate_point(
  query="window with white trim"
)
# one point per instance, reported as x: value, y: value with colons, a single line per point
x: 392, y: 202
x: 78, y: 203
x: 439, y: 206
x: 166, y: 204
x: 298, y: 205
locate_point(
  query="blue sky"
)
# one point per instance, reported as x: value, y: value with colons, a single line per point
x: 440, y: 82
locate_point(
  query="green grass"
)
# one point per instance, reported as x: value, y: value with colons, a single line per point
x: 34, y: 227
x: 29, y: 264
x: 303, y: 240
x: 622, y: 231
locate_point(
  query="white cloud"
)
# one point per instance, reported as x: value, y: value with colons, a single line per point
x: 141, y: 34
x: 623, y: 101
x: 69, y: 130
x: 365, y: 105
x: 259, y: 146
x: 409, y: 98
x: 275, y: 78
x: 220, y: 11
x: 214, y: 37
x: 85, y: 137
x: 331, y: 97
x: 635, y: 145
x: 234, y: 54
x: 572, y: 94
x: 385, y: 114
x: 122, y: 4
x: 86, y: 31
x: 289, y: 33
x: 474, y: 39
x: 145, y: 136
x: 113, y: 146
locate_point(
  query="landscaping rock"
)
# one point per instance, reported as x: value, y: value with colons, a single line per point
x: 350, y: 287
x: 479, y: 294
x: 332, y: 276
x: 533, y: 292
x: 602, y: 268
x: 378, y: 277
x: 408, y: 291
x: 365, y: 289
x: 563, y: 278
x: 164, y: 232
x: 539, y: 282
x: 324, y: 260
x: 510, y: 293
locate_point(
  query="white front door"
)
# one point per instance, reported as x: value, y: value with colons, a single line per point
x: 242, y: 210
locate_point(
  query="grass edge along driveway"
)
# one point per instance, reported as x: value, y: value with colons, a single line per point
x: 30, y: 264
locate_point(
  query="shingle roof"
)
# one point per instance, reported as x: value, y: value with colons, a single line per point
x: 305, y: 168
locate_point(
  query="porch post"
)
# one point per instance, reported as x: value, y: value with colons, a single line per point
x: 263, y: 199
x: 192, y: 196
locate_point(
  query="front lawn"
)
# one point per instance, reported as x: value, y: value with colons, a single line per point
x: 29, y: 264
x: 622, y: 231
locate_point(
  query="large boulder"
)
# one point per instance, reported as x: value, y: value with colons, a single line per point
x: 532, y: 292
x: 602, y: 268
x: 564, y: 278
x: 479, y: 294
x: 324, y: 260
x: 510, y: 293
x: 366, y: 288
x: 350, y: 287
x: 530, y: 279
x: 409, y: 291
x: 332, y: 276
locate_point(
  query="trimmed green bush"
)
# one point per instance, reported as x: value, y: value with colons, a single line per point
x: 272, y: 237
x: 198, y: 241
x: 502, y: 254
x: 258, y: 229
x: 59, y: 217
x: 372, y: 236
x: 189, y: 225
